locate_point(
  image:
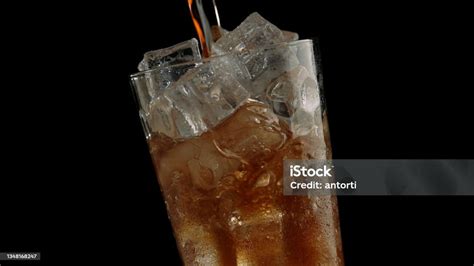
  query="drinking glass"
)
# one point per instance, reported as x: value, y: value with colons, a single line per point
x: 218, y: 132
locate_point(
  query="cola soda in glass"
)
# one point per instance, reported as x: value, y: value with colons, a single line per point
x: 219, y: 130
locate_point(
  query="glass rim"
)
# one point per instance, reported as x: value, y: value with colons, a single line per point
x: 206, y: 60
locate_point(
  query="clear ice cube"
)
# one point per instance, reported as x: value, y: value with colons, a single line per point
x: 253, y: 41
x: 268, y: 64
x: 289, y: 36
x: 294, y: 96
x: 199, y: 100
x: 254, y: 133
x: 156, y: 81
x: 162, y: 74
x: 183, y: 52
x: 252, y: 33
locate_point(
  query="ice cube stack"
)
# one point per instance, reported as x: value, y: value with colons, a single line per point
x: 252, y: 61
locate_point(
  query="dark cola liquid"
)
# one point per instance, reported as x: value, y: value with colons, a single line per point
x: 224, y: 195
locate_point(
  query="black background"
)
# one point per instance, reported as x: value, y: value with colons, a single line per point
x: 77, y: 183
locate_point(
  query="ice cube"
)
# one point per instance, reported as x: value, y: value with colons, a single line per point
x: 209, y: 166
x: 223, y: 31
x: 216, y: 89
x: 289, y: 36
x: 153, y: 83
x: 251, y: 41
x: 202, y: 177
x: 253, y: 134
x: 294, y: 96
x: 268, y: 64
x: 261, y: 227
x: 225, y: 67
x: 172, y: 164
x: 199, y: 245
x: 162, y: 74
x: 217, y: 32
x: 159, y: 117
x: 183, y: 52
x: 199, y: 100
x: 188, y: 111
x: 252, y: 33
x: 264, y: 179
